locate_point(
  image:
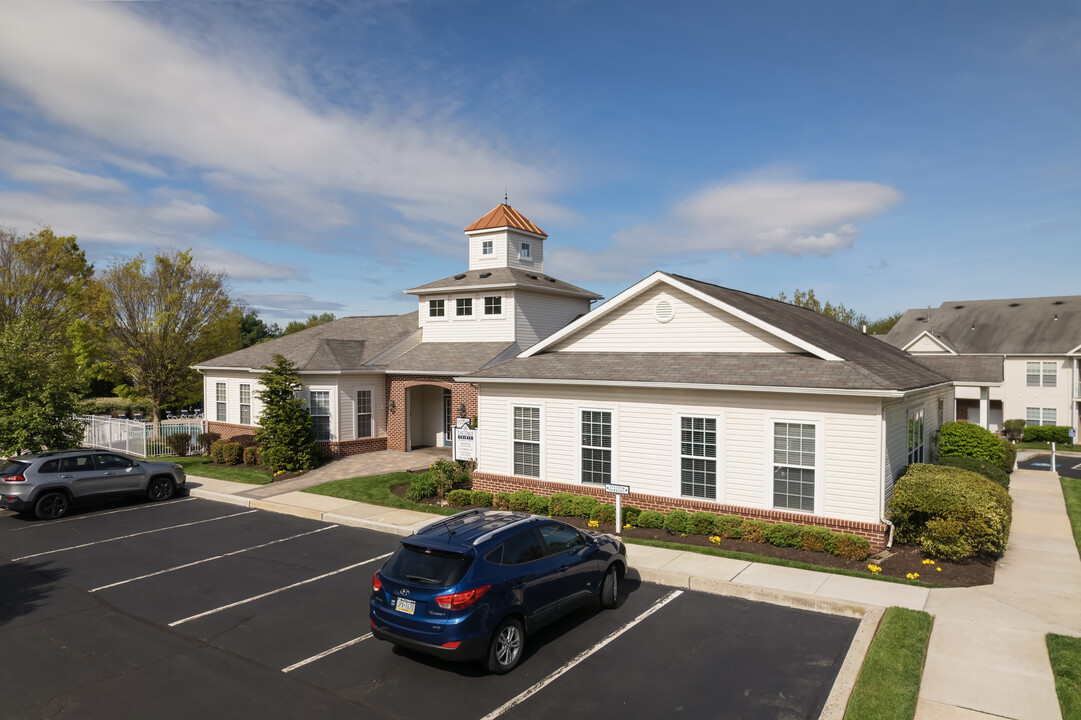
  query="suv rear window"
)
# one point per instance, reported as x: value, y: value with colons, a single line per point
x: 12, y: 467
x: 425, y: 566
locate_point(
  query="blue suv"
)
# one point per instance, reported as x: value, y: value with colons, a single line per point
x: 474, y: 585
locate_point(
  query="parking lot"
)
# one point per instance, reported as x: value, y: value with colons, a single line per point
x: 1065, y: 465
x: 194, y: 608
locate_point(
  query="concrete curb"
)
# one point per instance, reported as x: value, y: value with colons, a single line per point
x: 219, y: 497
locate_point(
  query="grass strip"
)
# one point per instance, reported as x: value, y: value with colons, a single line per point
x: 201, y: 467
x: 889, y: 681
x: 1046, y: 446
x: 1071, y: 493
x: 1065, y: 655
x: 767, y: 560
x: 375, y: 490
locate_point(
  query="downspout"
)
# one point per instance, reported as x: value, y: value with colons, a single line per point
x: 881, y: 486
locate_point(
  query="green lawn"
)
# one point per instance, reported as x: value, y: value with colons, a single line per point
x: 201, y: 466
x: 1065, y: 655
x: 375, y: 490
x: 889, y: 681
x: 1047, y: 446
x: 1071, y: 493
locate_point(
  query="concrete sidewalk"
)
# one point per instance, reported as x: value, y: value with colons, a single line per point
x: 986, y: 657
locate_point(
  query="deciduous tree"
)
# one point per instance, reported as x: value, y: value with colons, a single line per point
x: 312, y: 321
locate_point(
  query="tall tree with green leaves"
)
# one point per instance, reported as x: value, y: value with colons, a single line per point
x: 838, y: 312
x: 253, y: 329
x: 312, y: 321
x: 285, y: 433
x: 158, y: 321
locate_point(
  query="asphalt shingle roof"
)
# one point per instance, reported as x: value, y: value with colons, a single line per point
x: 504, y: 276
x: 965, y: 368
x: 455, y: 357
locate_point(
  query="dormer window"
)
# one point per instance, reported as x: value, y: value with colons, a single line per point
x: 487, y: 248
x: 523, y: 253
x: 464, y: 307
x: 435, y: 308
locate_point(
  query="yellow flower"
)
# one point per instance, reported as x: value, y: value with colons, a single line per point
x: 939, y: 569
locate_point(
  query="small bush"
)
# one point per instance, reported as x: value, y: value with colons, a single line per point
x: 630, y: 515
x: 561, y: 504
x: 989, y: 471
x: 730, y: 526
x: 1014, y: 429
x: 816, y: 539
x: 651, y: 519
x: 703, y: 523
x: 458, y: 498
x: 207, y: 439
x: 520, y: 500
x: 1059, y: 434
x: 421, y: 487
x: 677, y: 521
x: 783, y: 535
x: 754, y: 530
x: 243, y: 441
x: 851, y: 547
x: 969, y: 440
x: 945, y: 538
x: 443, y: 473
x: 501, y: 501
x: 179, y: 444
x: 584, y: 505
x: 251, y: 455
x: 482, y: 498
x: 232, y: 453
x: 539, y: 505
x: 605, y: 514
x: 1011, y: 455
x: 217, y: 450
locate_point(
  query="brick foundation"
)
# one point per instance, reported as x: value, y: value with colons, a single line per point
x: 228, y: 430
x: 874, y: 532
x: 460, y: 394
x: 352, y: 447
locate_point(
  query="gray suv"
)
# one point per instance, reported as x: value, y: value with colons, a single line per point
x: 47, y: 483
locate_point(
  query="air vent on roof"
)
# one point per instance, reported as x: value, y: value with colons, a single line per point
x: 484, y: 275
x: 1058, y: 302
x: 531, y: 277
x: 551, y: 280
x: 958, y: 307
x: 1015, y: 304
x: 459, y: 277
x: 664, y: 311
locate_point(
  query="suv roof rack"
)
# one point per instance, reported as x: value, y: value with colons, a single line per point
x: 489, y: 535
x: 456, y: 516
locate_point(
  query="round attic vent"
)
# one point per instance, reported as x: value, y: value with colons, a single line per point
x: 664, y: 311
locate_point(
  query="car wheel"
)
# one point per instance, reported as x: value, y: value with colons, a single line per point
x: 160, y: 488
x: 610, y: 589
x: 508, y: 641
x: 51, y: 506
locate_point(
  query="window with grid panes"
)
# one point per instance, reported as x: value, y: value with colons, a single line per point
x: 436, y: 308
x: 364, y: 413
x: 463, y: 307
x: 527, y: 441
x: 596, y: 446
x: 320, y: 410
x: 219, y: 398
x: 1041, y: 374
x: 486, y: 247
x: 698, y: 457
x: 915, y: 436
x: 493, y: 305
x: 794, y: 466
x: 245, y: 404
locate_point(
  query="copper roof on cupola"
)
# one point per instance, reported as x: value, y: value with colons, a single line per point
x: 502, y: 216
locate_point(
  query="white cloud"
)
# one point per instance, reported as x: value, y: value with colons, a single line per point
x: 244, y: 267
x: 61, y: 178
x: 285, y: 302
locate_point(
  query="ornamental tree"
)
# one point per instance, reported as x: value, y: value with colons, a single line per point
x: 286, y: 434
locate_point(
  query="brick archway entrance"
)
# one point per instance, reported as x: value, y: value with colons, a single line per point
x: 418, y: 407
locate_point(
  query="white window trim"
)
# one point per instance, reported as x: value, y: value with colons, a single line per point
x: 502, y: 307
x: 528, y: 255
x: 677, y: 451
x: 1042, y: 412
x: 218, y: 403
x: 909, y: 414
x: 428, y: 310
x: 356, y: 414
x: 578, y: 409
x: 1043, y: 374
x: 241, y: 404
x: 543, y: 435
x: 489, y: 245
x: 333, y: 397
x: 820, y: 424
x: 472, y: 307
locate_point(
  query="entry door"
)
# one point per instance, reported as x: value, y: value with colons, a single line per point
x: 448, y: 419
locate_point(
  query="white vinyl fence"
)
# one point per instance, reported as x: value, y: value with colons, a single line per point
x: 135, y: 437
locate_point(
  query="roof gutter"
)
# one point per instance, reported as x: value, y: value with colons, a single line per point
x: 693, y: 386
x: 500, y: 286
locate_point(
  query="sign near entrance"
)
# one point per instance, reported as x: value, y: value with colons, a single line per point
x: 617, y: 489
x: 465, y: 440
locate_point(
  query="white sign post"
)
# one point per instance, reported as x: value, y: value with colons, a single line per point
x: 465, y: 440
x: 619, y: 491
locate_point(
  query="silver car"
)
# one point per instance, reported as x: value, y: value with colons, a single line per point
x: 48, y: 483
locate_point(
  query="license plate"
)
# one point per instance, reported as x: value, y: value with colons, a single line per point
x: 405, y: 606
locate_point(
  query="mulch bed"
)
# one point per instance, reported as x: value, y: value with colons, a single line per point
x: 898, y: 561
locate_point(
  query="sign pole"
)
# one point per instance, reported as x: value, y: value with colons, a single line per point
x: 619, y: 513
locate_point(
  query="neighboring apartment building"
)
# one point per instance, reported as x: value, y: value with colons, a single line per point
x: 1012, y: 358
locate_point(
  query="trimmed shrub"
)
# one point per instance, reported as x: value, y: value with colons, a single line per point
x: 816, y: 539
x: 232, y: 453
x: 286, y: 433
x: 584, y: 505
x: 1011, y: 455
x: 179, y: 444
x: 539, y: 505
x: 421, y: 487
x: 443, y: 472
x: 217, y: 451
x: 703, y: 523
x: 630, y: 515
x: 243, y: 441
x: 783, y: 535
x: 754, y: 530
x: 989, y: 471
x: 207, y: 439
x: 561, y: 504
x: 520, y: 500
x: 1059, y: 434
x: 458, y: 498
x: 251, y: 455
x: 1014, y: 429
x: 930, y: 492
x: 605, y: 514
x: 851, y: 547
x: 730, y: 526
x: 483, y: 498
x: 944, y: 538
x: 651, y: 519
x: 969, y: 440
x: 677, y: 521
x: 501, y: 501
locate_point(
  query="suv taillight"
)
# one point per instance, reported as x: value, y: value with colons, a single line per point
x: 462, y: 600
x: 377, y: 584
x: 14, y: 478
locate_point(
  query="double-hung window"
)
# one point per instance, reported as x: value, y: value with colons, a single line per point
x: 245, y: 404
x: 493, y: 305
x: 794, y: 466
x: 915, y: 436
x: 596, y: 446
x: 523, y: 252
x: 320, y: 409
x: 1041, y: 416
x: 219, y: 398
x: 463, y: 307
x: 527, y: 433
x: 1041, y: 374
x: 487, y: 247
x: 698, y: 457
x: 436, y: 308
x: 364, y: 414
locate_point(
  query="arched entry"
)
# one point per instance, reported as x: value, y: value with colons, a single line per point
x: 429, y: 418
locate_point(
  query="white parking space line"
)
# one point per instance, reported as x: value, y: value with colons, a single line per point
x: 281, y: 589
x: 580, y: 657
x: 53, y: 523
x: 323, y: 654
x: 1076, y: 467
x: 209, y: 559
x: 125, y: 537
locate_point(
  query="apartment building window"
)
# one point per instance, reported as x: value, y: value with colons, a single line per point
x: 486, y: 247
x: 527, y: 441
x: 698, y: 457
x: 320, y: 410
x: 245, y: 404
x: 463, y: 307
x: 596, y: 446
x: 524, y: 251
x: 219, y: 397
x: 1041, y: 416
x: 1041, y: 374
x: 915, y: 436
x: 364, y: 414
x: 436, y: 309
x: 493, y: 305
x: 794, y: 466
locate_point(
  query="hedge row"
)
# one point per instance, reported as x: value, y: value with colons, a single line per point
x: 227, y: 452
x: 716, y: 527
x: 1048, y: 433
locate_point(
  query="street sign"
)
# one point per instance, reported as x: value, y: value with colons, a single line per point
x: 617, y: 489
x: 1073, y: 432
x: 465, y: 440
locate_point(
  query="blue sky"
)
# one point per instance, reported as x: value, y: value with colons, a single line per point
x: 328, y: 155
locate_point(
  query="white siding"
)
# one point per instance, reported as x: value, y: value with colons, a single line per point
x: 477, y: 327
x: 928, y: 346
x: 895, y: 414
x: 233, y: 381
x: 347, y: 404
x: 538, y: 315
x: 1018, y: 395
x: 506, y: 243
x: 646, y: 449
x: 695, y: 326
